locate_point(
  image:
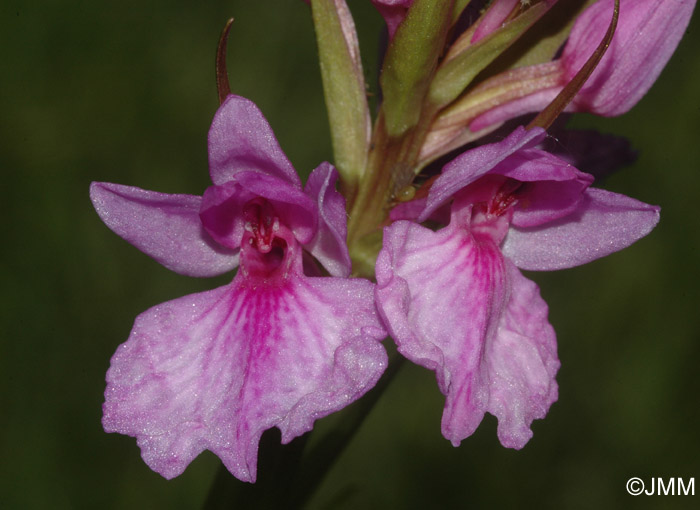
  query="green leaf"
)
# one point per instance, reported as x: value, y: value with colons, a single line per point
x: 411, y: 60
x: 343, y: 87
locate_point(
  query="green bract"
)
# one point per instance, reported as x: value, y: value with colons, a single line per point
x: 410, y: 62
x: 456, y: 73
x: 344, y: 88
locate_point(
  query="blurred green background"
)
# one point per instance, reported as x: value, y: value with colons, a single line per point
x: 124, y: 92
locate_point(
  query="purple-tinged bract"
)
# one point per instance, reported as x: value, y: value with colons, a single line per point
x: 393, y: 11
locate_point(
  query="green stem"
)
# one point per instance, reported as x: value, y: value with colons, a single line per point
x: 391, y: 166
x: 369, y: 209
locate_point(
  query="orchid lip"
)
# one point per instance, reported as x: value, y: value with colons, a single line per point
x: 265, y: 262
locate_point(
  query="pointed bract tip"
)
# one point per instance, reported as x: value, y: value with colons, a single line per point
x: 547, y: 116
x: 222, y: 84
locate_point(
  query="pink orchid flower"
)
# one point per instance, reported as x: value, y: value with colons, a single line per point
x: 275, y: 347
x: 455, y: 301
x: 647, y: 34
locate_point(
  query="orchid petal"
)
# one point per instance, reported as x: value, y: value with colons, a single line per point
x: 439, y: 293
x: 522, y: 363
x: 532, y: 165
x: 474, y: 163
x: 329, y: 245
x: 214, y: 370
x: 431, y: 290
x: 603, y: 223
x: 221, y: 212
x: 647, y: 34
x: 241, y: 139
x: 547, y: 201
x: 163, y: 226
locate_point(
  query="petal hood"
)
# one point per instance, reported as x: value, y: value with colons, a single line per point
x: 472, y: 164
x: 222, y: 207
x: 240, y: 139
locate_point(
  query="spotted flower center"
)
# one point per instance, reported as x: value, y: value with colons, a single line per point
x: 266, y: 242
x: 261, y: 223
x: 492, y: 200
x: 505, y: 197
